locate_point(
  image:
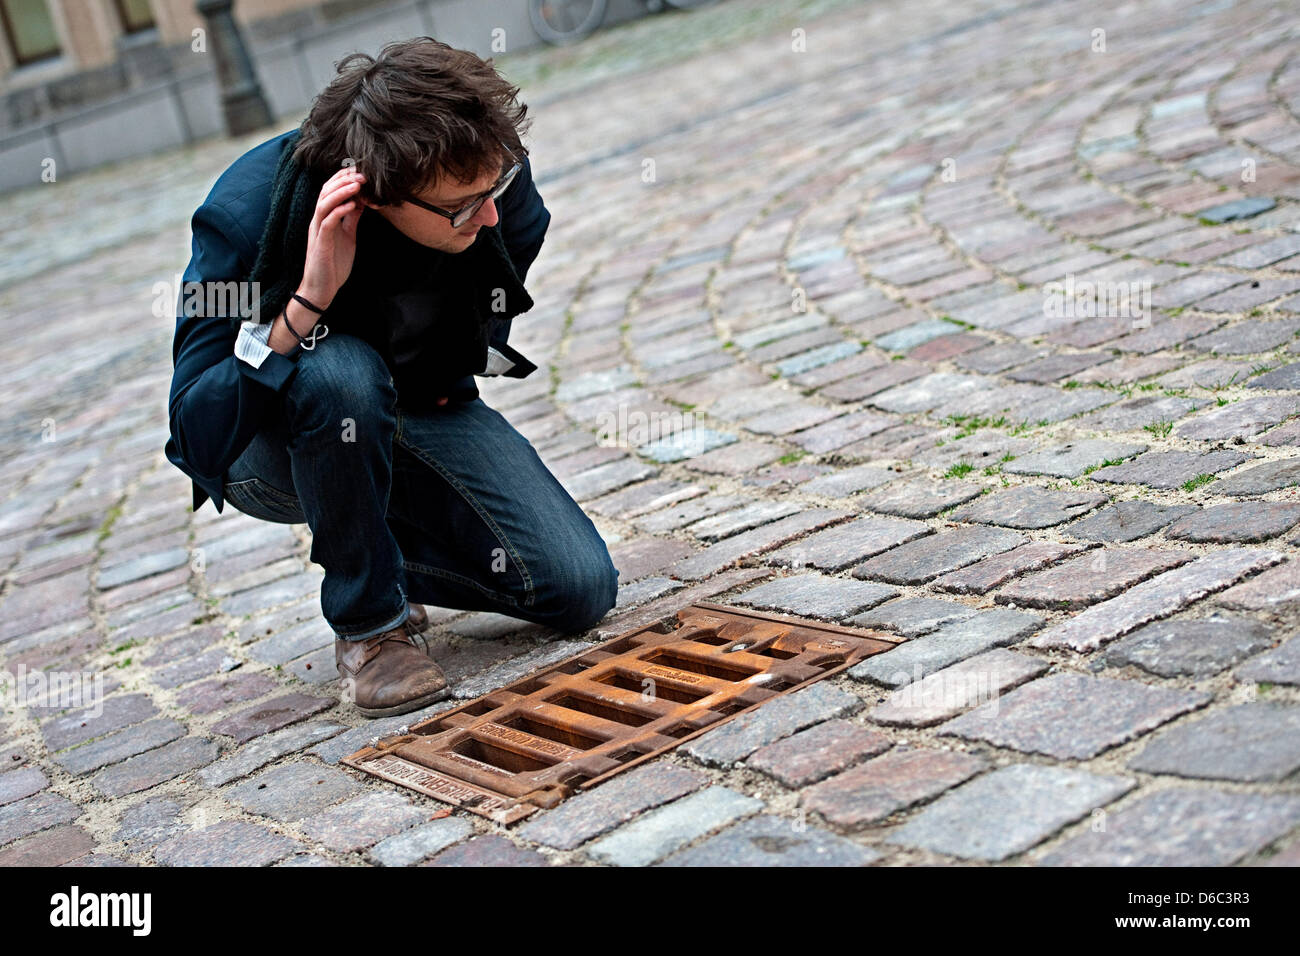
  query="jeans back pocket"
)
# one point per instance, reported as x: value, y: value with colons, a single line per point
x: 256, y: 498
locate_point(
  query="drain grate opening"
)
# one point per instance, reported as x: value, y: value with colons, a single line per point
x: 561, y: 735
x: 639, y: 686
x: 682, y: 730
x: 715, y: 639
x: 595, y: 708
x: 496, y: 758
x: 532, y: 743
x: 692, y: 665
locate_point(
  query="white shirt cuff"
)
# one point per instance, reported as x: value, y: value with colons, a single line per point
x: 496, y: 363
x: 251, y: 345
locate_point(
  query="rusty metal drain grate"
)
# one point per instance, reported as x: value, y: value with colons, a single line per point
x: 570, y: 726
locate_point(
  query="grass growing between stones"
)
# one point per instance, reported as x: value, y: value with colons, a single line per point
x: 1191, y: 484
x: 969, y: 424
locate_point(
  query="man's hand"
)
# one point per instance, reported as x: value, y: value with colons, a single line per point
x: 332, y: 236
x: 331, y: 250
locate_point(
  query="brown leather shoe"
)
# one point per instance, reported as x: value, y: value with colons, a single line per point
x: 416, y: 624
x: 389, y: 673
x: 419, y: 618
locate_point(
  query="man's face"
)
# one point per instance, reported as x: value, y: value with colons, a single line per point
x: 435, y: 231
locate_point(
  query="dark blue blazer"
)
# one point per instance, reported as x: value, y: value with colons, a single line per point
x: 217, y: 402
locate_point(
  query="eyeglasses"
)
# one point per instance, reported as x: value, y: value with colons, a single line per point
x: 465, y: 213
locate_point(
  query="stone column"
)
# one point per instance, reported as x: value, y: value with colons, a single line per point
x: 242, y: 102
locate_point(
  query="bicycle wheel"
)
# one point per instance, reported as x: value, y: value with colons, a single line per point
x: 562, y: 22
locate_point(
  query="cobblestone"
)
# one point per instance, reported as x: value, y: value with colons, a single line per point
x: 1140, y: 412
x: 119, y: 746
x: 52, y: 848
x: 777, y: 718
x: 267, y: 748
x: 1008, y: 811
x: 1089, y: 578
x: 1275, y: 589
x: 1248, y: 742
x: 1261, y: 479
x: 1029, y: 507
x: 1073, y: 717
x: 20, y: 783
x: 1126, y: 521
x: 77, y: 726
x: 271, y: 715
x: 1279, y: 666
x: 946, y: 693
x: 772, y: 841
x: 1195, y: 648
x: 228, y: 843
x: 816, y: 595
x: 597, y: 811
x: 913, y: 616
x: 963, y: 637
x: 292, y: 791
x: 726, y: 552
x: 1071, y: 459
x: 1242, y: 419
x: 843, y: 545
x: 717, y: 527
x: 149, y: 823
x: 1169, y: 469
x: 1237, y: 521
x: 1179, y: 827
x: 738, y: 458
x: 658, y: 833
x: 36, y: 813
x: 363, y: 821
x: 221, y: 692
x: 1287, y: 377
x: 1156, y: 598
x: 818, y: 752
x: 878, y: 788
x: 490, y: 850
x: 511, y: 670
x: 996, y: 569
x: 918, y: 498
x: 921, y: 560
x: 155, y: 766
x: 406, y: 849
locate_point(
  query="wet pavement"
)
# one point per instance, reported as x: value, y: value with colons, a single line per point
x: 975, y: 323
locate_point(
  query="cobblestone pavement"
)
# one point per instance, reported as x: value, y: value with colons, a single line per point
x: 827, y: 272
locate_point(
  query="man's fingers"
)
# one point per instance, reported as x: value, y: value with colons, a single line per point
x: 337, y: 215
x: 333, y: 196
x: 342, y: 174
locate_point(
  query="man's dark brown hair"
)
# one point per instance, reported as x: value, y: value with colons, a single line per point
x: 419, y: 112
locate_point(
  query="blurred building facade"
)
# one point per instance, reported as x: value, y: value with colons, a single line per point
x: 56, y: 54
x: 88, y: 82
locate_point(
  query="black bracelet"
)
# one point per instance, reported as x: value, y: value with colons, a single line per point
x: 308, y: 304
x: 303, y: 342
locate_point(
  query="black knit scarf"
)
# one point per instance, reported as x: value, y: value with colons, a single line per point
x: 282, y: 249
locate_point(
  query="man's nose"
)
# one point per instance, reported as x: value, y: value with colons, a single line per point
x: 487, y: 214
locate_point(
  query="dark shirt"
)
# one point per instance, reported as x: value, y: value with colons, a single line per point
x: 430, y: 314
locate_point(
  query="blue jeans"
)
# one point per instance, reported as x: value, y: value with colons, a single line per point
x: 451, y: 508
